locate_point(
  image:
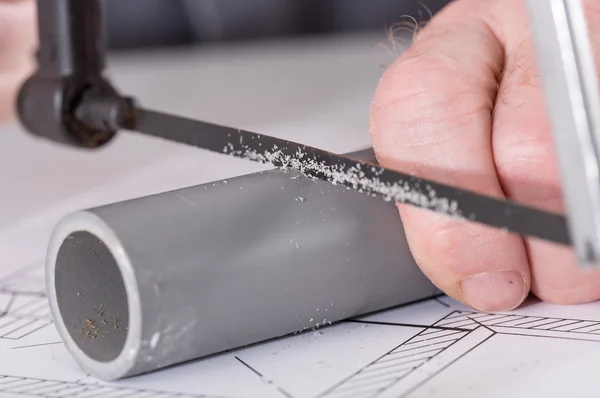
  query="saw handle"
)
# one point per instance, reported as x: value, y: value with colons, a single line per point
x: 67, y: 99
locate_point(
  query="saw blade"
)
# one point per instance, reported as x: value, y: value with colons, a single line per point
x: 367, y: 178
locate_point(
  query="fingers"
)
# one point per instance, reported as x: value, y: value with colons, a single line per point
x: 431, y: 116
x: 526, y: 162
x: 17, y: 33
x: 17, y: 43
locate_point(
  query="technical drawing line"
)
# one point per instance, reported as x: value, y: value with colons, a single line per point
x: 441, y: 302
x: 474, y: 315
x: 263, y: 378
x: 505, y: 323
x: 417, y: 350
x: 422, y: 355
x: 542, y: 336
x: 412, y: 345
x: 35, y: 387
x: 29, y: 284
x: 391, y: 374
x: 400, y: 363
x: 391, y: 364
x: 37, y: 326
x: 29, y: 303
x: 433, y: 336
x: 482, y: 325
x: 27, y: 323
x: 501, y: 322
x: 8, y: 322
x: 9, y: 305
x: 6, y: 290
x: 401, y: 372
x: 35, y: 383
x: 23, y: 315
x: 7, y: 380
x: 537, y: 324
x: 536, y: 319
x: 481, y: 317
x: 453, y: 315
x: 43, y: 386
x: 409, y: 325
x: 551, y: 322
x: 570, y: 323
x: 427, y: 379
x: 530, y: 318
x: 330, y: 389
x: 36, y: 345
x: 439, y: 333
x: 36, y: 315
x: 584, y: 326
x: 464, y: 322
x: 24, y: 327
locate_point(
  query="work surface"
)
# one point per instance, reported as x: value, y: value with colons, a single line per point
x: 316, y: 93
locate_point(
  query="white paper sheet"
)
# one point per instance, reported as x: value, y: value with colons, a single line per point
x: 435, y: 348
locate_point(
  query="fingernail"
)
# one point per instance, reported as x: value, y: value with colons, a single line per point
x: 497, y: 291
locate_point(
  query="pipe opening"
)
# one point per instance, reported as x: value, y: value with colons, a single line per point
x: 91, y: 296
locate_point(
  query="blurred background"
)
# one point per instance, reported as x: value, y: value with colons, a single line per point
x: 159, y: 23
x: 224, y: 61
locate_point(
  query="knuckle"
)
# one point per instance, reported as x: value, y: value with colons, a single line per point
x: 415, y: 110
x: 415, y: 75
x: 442, y: 240
x: 518, y: 161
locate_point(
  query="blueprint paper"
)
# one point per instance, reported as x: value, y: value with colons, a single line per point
x: 434, y: 348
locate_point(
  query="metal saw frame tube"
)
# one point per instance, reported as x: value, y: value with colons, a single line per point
x: 151, y: 282
x: 570, y: 82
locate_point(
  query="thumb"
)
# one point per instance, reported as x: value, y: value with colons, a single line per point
x: 431, y: 117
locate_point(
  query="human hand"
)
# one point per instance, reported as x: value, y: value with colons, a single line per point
x: 465, y: 106
x: 17, y: 45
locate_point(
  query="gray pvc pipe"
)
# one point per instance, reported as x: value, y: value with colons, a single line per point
x: 151, y: 282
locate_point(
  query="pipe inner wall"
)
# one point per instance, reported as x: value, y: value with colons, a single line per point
x: 91, y: 296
